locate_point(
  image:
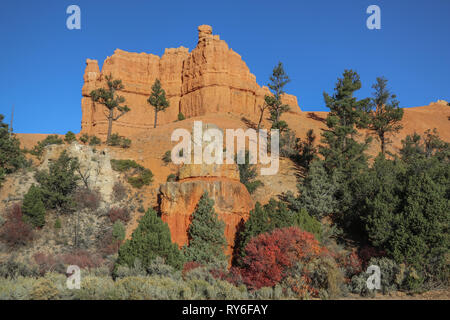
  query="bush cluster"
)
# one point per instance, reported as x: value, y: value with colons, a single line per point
x: 116, y: 140
x: 137, y: 175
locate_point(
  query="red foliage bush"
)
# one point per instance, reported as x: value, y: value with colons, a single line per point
x: 119, y: 214
x: 83, y: 259
x: 350, y: 263
x: 366, y: 253
x: 45, y: 262
x: 270, y: 255
x: 191, y: 265
x: 86, y: 198
x: 15, y: 231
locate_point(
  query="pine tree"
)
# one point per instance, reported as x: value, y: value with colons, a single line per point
x: 317, y: 191
x: 308, y: 152
x: 385, y: 115
x: 11, y: 157
x: 58, y: 183
x: 345, y: 159
x: 151, y: 239
x: 277, y: 82
x: 111, y: 101
x: 257, y: 223
x: 341, y: 150
x: 207, y: 241
x: 248, y: 174
x: 158, y: 99
x: 33, y: 207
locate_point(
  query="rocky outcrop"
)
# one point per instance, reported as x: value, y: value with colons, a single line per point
x: 210, y: 79
x: 178, y: 200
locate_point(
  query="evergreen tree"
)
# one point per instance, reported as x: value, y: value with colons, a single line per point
x: 158, y: 99
x: 247, y: 174
x: 257, y: 223
x: 344, y: 157
x: 207, y: 241
x: 308, y: 152
x: 33, y: 208
x: 111, y: 101
x: 277, y: 82
x: 150, y: 240
x: 317, y: 191
x: 385, y: 115
x: 58, y: 183
x: 11, y: 157
x: 341, y: 150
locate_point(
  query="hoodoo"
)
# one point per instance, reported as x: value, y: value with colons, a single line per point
x: 212, y: 78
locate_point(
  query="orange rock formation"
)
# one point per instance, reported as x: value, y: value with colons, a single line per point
x: 210, y: 79
x: 178, y: 201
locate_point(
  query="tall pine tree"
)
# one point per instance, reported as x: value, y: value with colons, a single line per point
x: 158, y: 99
x: 207, y: 241
x: 385, y: 115
x: 344, y: 156
x: 111, y: 101
x: 277, y: 82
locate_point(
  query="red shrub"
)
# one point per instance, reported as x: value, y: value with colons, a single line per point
x: 82, y: 259
x: 191, y: 265
x: 86, y: 198
x: 15, y: 231
x: 45, y: 262
x: 269, y: 255
x: 350, y: 263
x: 119, y: 214
x: 366, y: 253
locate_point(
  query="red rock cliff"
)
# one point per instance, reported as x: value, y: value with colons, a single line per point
x: 212, y: 78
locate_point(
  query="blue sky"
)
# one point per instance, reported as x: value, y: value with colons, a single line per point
x: 42, y: 62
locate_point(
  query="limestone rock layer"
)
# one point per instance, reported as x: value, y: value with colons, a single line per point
x: 210, y: 79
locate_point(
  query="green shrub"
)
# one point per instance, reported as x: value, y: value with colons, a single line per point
x: 305, y: 222
x: 181, y: 116
x: 57, y: 224
x: 116, y: 140
x: 44, y: 289
x: 84, y: 138
x: 70, y: 137
x: 118, y: 230
x: 38, y: 149
x: 33, y: 207
x: 138, y: 177
x: 94, y: 141
x: 171, y: 178
x: 167, y: 158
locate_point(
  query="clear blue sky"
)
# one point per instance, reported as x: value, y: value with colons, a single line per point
x: 42, y: 62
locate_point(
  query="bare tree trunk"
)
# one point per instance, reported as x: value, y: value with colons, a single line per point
x: 156, y: 117
x: 383, y: 143
x: 110, y: 121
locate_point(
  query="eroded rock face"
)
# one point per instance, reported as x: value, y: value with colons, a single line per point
x: 179, y: 200
x: 212, y: 78
x: 95, y: 166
